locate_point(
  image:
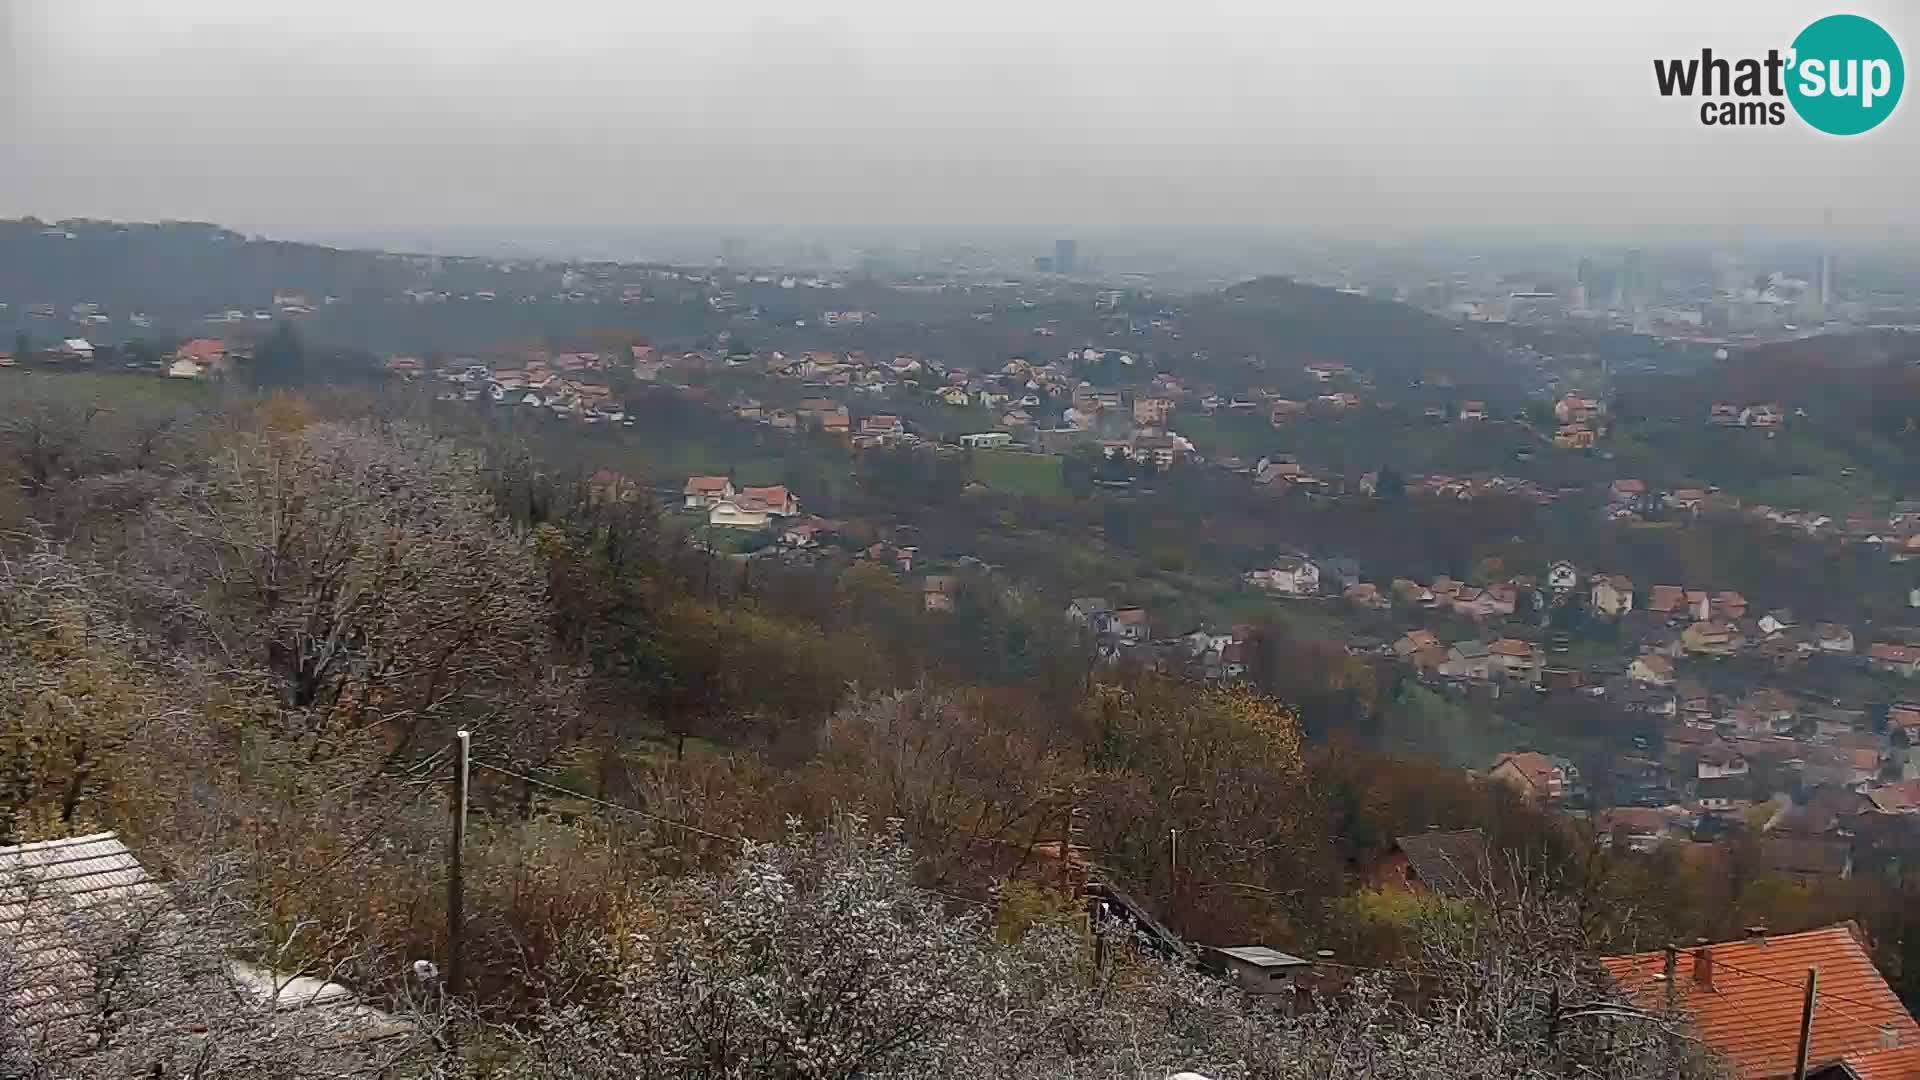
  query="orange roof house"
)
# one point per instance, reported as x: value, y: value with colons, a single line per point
x: 1666, y: 598
x: 209, y: 351
x: 1745, y: 1001
x: 1536, y: 777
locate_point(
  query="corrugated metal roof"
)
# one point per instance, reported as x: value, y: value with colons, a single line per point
x: 1448, y: 862
x: 59, y: 896
x: 48, y: 890
x: 1261, y: 956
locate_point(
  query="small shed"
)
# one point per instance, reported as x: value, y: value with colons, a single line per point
x: 1255, y: 968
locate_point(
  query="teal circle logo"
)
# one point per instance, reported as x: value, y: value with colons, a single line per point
x: 1846, y: 75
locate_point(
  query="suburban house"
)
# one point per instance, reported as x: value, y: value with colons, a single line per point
x: 1446, y: 863
x: 1468, y: 660
x: 987, y: 440
x: 1898, y: 659
x: 1651, y: 669
x: 1715, y: 762
x: 1152, y: 411
x: 705, y: 492
x: 1366, y: 594
x: 1610, y: 595
x: 201, y: 357
x: 1698, y: 604
x: 1092, y: 612
x: 1832, y: 638
x: 607, y: 486
x: 882, y: 426
x: 753, y: 508
x: 1473, y: 410
x: 937, y: 592
x: 1478, y: 603
x: 1669, y: 600
x: 1562, y: 576
x: 803, y: 533
x: 1711, y: 638
x: 1745, y: 1000
x: 1536, y: 777
x: 1626, y: 490
x: 1131, y: 624
x: 1578, y: 409
x: 1291, y: 575
x: 1414, y: 641
x: 1514, y: 657
x: 1282, y: 410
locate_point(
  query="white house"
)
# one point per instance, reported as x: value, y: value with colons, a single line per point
x: 1611, y: 595
x: 1562, y: 576
x: 705, y: 492
x: 1716, y: 762
x: 1651, y: 669
x: 183, y: 368
x: 1832, y: 637
x: 752, y: 508
x: 987, y: 440
x: 1293, y: 575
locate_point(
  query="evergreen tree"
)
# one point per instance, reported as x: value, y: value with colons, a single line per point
x: 281, y: 359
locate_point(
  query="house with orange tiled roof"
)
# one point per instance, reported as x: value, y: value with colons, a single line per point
x: 705, y: 492
x: 1667, y: 599
x: 1899, y: 659
x: 1744, y: 999
x: 1515, y: 657
x: 1535, y: 776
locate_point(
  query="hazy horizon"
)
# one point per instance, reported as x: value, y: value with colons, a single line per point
x: 430, y: 118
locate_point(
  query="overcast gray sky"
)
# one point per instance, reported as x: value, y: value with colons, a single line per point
x: 450, y: 113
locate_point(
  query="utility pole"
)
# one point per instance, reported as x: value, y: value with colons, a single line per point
x: 1669, y: 971
x: 456, y: 870
x: 1806, y: 1025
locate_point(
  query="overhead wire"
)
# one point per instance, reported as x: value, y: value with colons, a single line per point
x: 664, y: 820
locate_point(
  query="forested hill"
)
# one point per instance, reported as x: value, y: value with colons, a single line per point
x: 190, y: 265
x: 1396, y: 343
x: 177, y: 274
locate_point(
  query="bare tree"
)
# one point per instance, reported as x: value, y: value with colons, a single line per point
x: 819, y: 958
x: 367, y: 572
x: 813, y: 958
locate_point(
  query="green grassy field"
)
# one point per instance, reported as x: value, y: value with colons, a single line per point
x: 1018, y: 472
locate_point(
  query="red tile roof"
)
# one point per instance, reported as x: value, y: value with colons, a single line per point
x: 1751, y: 1015
x: 1899, y: 1063
x: 1900, y: 798
x: 1537, y: 769
x: 1665, y: 597
x: 1899, y: 654
x: 204, y: 350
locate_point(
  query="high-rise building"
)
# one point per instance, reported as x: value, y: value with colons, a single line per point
x: 1065, y: 259
x: 1633, y: 279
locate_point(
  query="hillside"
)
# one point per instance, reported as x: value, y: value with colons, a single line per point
x: 1277, y: 318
